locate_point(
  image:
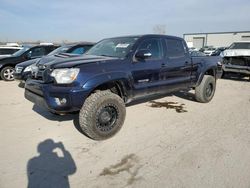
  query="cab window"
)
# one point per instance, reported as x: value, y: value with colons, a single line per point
x: 175, y: 48
x: 154, y: 46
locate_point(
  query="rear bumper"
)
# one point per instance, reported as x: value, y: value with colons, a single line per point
x: 236, y: 69
x: 60, y: 99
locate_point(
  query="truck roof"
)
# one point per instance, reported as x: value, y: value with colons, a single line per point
x: 150, y: 35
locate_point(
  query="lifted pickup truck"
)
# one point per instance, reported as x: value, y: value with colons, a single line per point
x: 115, y: 72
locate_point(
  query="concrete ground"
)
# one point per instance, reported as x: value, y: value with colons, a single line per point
x: 170, y: 142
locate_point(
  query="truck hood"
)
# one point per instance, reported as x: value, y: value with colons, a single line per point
x: 70, y: 60
x: 29, y: 62
x: 235, y: 52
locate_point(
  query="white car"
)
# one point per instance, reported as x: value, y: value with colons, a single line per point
x: 209, y: 51
x: 6, y: 51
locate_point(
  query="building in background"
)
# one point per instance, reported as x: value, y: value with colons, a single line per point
x: 216, y: 39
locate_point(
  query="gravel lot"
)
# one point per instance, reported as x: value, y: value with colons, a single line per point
x: 170, y: 142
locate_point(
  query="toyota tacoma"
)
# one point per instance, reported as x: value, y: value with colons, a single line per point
x: 115, y: 72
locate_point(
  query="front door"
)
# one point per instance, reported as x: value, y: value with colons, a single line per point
x: 146, y: 72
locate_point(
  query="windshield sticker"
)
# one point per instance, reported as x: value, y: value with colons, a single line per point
x: 122, y: 45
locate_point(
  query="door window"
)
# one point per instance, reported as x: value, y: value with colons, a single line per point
x: 154, y: 47
x: 175, y: 48
x: 37, y: 52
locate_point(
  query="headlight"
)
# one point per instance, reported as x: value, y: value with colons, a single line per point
x: 30, y: 68
x: 65, y: 76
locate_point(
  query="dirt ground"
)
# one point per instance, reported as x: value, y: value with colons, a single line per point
x: 169, y: 142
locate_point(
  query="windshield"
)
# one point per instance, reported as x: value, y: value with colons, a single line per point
x: 61, y: 49
x: 21, y: 51
x: 115, y: 47
x: 240, y: 45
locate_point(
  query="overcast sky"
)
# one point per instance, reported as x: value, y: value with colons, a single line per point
x: 92, y: 20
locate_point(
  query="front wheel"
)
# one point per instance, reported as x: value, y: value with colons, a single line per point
x: 205, y: 91
x: 7, y: 73
x: 102, y: 115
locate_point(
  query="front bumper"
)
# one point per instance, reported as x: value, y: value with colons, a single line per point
x: 23, y: 76
x: 236, y: 69
x: 59, y: 99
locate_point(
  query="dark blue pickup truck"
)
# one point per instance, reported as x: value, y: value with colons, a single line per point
x: 115, y: 72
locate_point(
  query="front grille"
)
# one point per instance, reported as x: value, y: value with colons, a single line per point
x: 18, y: 69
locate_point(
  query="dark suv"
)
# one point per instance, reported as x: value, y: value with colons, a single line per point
x: 23, y: 70
x: 7, y: 65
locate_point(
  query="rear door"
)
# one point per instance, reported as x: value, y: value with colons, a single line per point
x: 176, y: 71
x: 146, y: 72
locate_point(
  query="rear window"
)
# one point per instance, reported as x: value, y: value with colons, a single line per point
x: 175, y: 48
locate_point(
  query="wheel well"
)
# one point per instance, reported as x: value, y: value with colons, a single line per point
x: 115, y: 87
x: 6, y: 66
x: 210, y: 72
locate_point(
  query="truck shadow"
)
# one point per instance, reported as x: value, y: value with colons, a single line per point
x: 60, y: 118
x: 185, y: 95
x: 53, y: 117
x: 147, y: 99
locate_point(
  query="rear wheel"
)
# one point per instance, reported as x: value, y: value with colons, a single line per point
x: 102, y: 115
x: 205, y: 91
x: 7, y: 73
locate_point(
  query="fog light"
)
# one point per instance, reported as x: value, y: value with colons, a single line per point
x: 60, y: 101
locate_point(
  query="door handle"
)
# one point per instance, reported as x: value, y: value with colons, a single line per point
x: 163, y: 65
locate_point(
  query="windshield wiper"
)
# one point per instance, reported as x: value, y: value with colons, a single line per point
x: 107, y: 55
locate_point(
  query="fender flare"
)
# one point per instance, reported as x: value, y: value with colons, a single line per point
x: 203, y: 72
x: 122, y: 78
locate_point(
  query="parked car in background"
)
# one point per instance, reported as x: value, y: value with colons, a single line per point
x: 218, y: 51
x: 22, y: 70
x: 196, y: 54
x: 236, y: 59
x: 6, y: 51
x: 205, y: 48
x: 209, y: 51
x: 193, y: 49
x: 7, y: 64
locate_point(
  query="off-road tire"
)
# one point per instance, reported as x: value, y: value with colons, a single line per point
x: 202, y: 93
x: 5, y: 71
x: 89, y: 115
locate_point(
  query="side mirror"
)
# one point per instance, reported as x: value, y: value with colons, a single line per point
x: 143, y: 54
